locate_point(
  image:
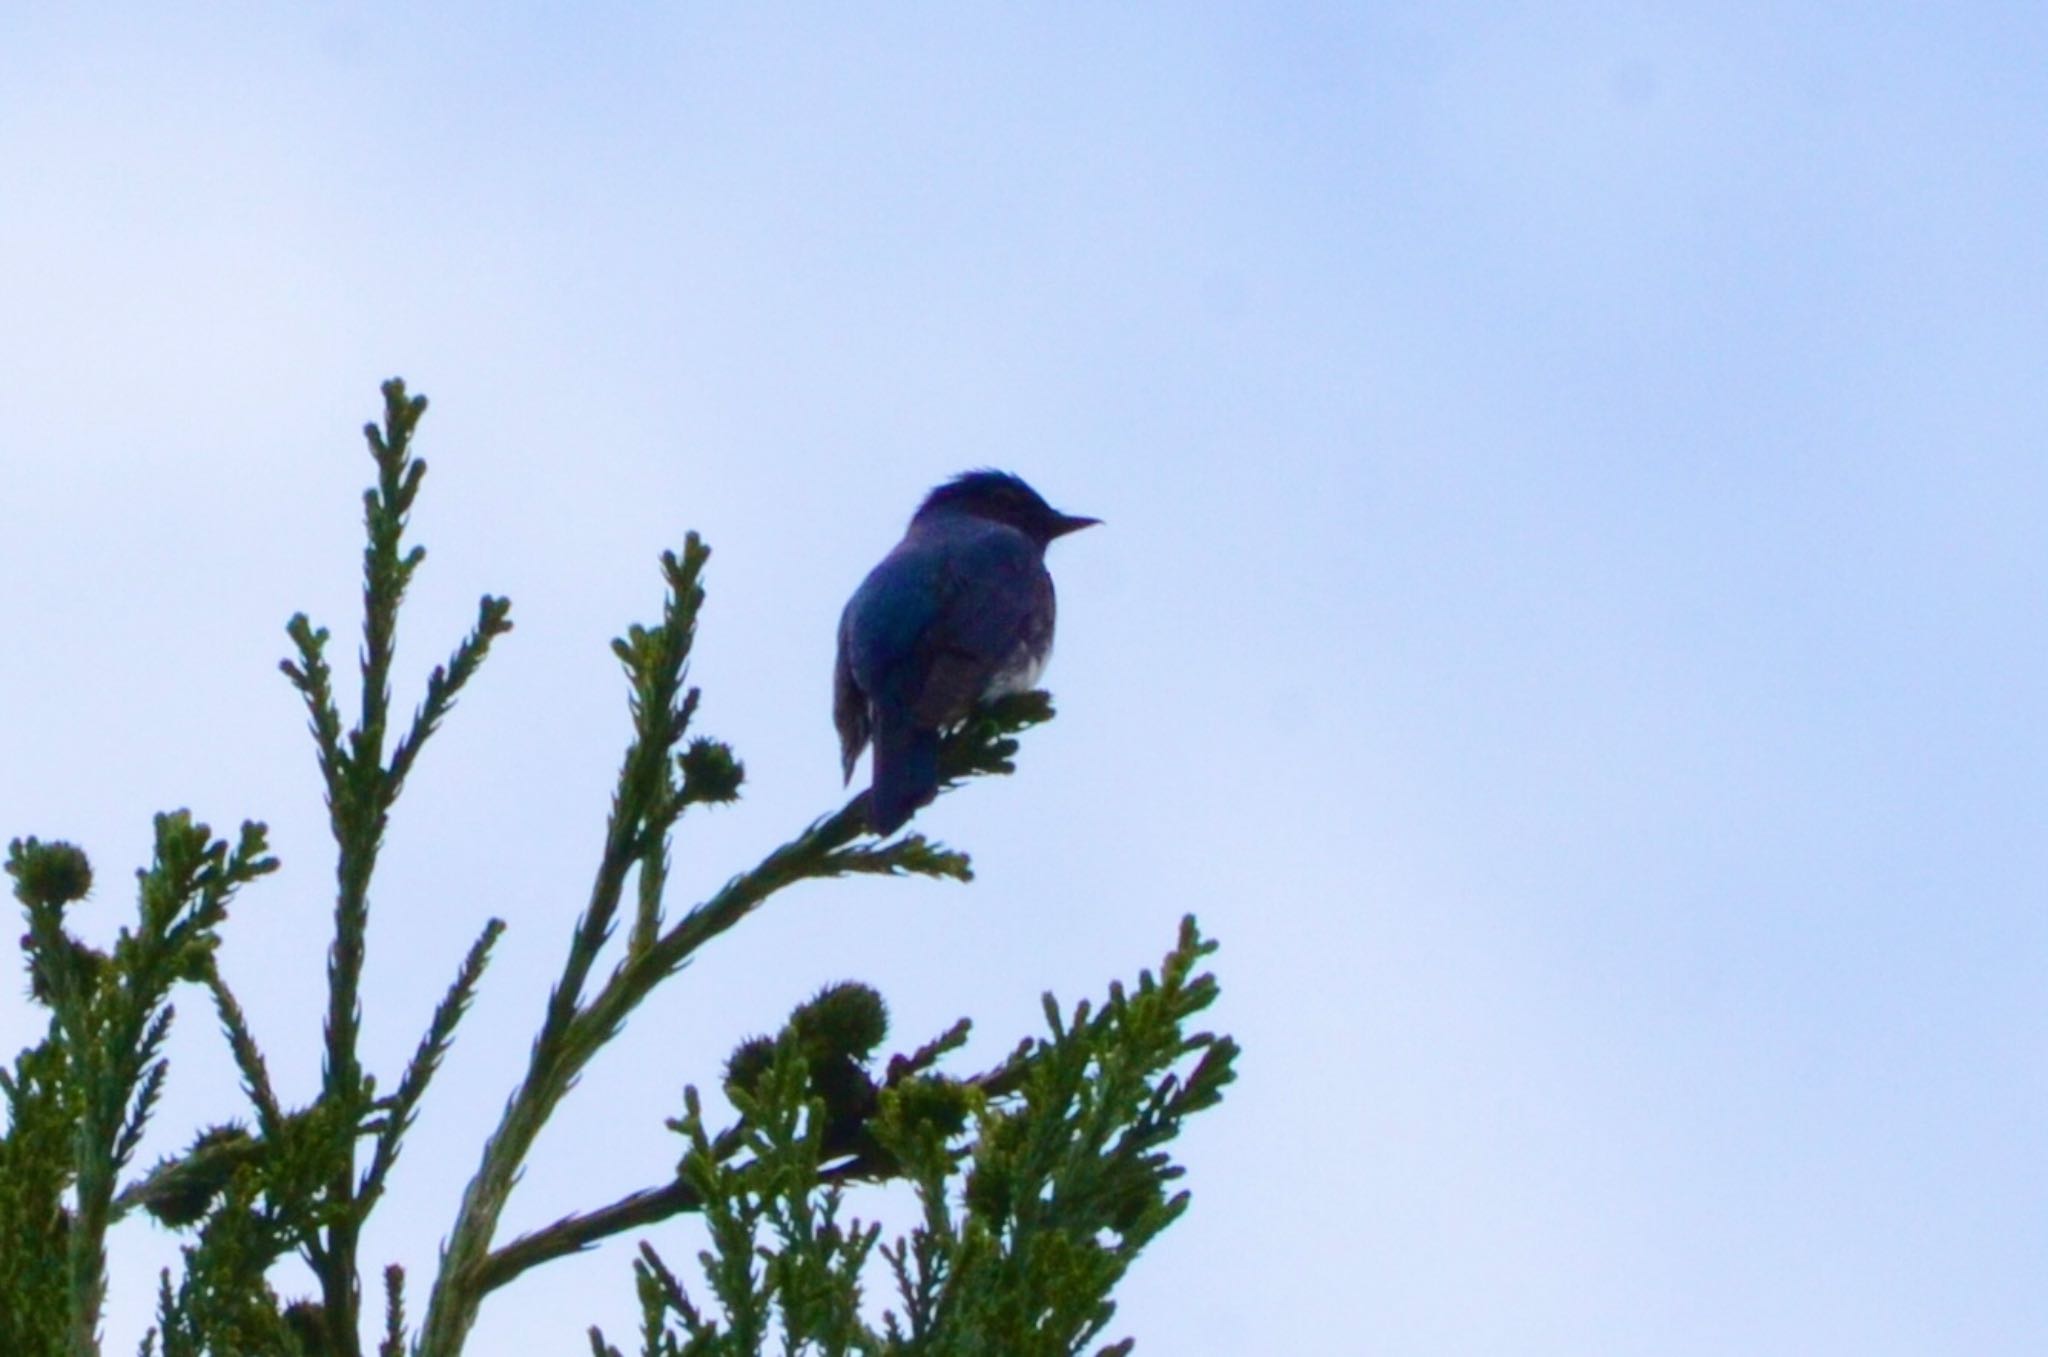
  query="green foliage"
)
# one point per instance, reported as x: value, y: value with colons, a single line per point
x: 1039, y: 1179
x: 101, y: 1067
x: 1065, y: 1181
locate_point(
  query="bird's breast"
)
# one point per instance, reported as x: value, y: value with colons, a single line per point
x: 1019, y: 672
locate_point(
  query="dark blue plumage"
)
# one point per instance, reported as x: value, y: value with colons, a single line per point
x: 960, y: 611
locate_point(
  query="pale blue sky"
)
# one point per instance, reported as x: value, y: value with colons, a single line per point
x: 1569, y: 620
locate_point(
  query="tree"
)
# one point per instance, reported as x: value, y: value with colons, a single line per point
x: 1039, y: 1180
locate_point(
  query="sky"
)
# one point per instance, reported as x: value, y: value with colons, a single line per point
x: 1568, y: 619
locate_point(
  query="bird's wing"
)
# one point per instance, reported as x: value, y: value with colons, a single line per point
x: 935, y: 623
x: 849, y: 703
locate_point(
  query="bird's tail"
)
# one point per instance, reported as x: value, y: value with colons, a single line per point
x: 906, y: 775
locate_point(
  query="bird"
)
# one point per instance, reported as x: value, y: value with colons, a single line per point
x: 960, y: 612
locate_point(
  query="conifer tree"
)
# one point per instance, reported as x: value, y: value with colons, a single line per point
x: 1039, y: 1180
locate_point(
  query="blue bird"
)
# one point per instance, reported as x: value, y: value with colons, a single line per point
x: 961, y: 611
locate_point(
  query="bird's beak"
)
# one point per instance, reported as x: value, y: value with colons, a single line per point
x: 1072, y: 523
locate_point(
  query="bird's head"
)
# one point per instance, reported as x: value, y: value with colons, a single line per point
x: 1003, y: 498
